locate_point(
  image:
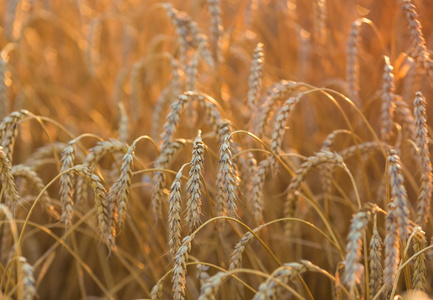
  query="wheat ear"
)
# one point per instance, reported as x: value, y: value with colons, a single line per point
x: 300, y: 174
x: 123, y: 131
x: 352, y: 67
x: 174, y: 213
x: 9, y: 188
x: 118, y: 194
x: 280, y: 127
x: 158, y: 180
x: 280, y: 92
x: 67, y: 183
x: 320, y: 15
x: 424, y: 197
x: 236, y: 256
x: 27, y: 283
x: 95, y: 154
x: 4, y: 91
x: 216, y: 29
x: 256, y: 195
x: 103, y: 213
x: 210, y: 288
x: 354, y: 244
x: 255, y: 78
x: 179, y: 269
x: 398, y: 193
x: 419, y: 280
x: 8, y: 131
x: 376, y: 269
x: 194, y: 184
x: 156, y: 292
x: 392, y: 248
x: 229, y: 177
x: 388, y: 105
x: 34, y: 180
x: 202, y: 274
x: 419, y: 49
x: 270, y: 288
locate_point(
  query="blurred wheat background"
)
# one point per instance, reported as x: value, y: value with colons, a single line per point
x: 207, y: 149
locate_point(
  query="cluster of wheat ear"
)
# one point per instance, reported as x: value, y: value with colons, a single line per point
x: 216, y: 149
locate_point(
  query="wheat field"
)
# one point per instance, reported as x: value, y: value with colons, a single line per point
x: 207, y: 149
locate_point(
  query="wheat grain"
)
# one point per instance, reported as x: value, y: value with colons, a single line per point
x: 424, y: 197
x: 194, y: 184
